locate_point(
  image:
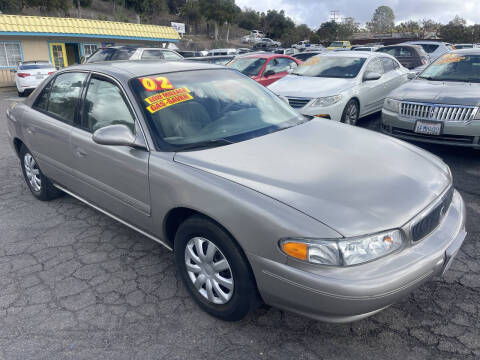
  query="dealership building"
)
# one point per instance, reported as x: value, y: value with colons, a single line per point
x: 63, y: 41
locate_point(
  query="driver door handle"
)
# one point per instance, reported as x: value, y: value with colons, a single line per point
x: 79, y: 152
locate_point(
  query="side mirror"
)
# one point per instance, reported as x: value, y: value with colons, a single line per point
x: 371, y: 76
x: 411, y: 75
x: 268, y: 73
x: 116, y: 135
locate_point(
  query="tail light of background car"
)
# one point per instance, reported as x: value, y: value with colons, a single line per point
x: 51, y: 72
x: 23, y: 75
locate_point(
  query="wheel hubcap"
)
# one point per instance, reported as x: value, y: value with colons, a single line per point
x: 32, y: 171
x: 352, y: 114
x: 209, y: 270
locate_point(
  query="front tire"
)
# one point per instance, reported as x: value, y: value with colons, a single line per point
x: 351, y: 113
x: 39, y: 184
x: 214, y: 269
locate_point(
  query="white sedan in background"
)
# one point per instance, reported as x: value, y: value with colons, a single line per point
x: 342, y: 86
x: 30, y: 74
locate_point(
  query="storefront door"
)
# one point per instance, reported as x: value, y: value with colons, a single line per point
x: 58, y: 54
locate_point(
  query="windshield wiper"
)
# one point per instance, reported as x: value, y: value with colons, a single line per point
x: 206, y: 144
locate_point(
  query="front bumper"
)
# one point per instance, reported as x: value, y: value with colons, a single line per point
x: 347, y: 294
x: 458, y: 134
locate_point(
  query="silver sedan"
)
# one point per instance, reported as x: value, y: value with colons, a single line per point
x: 257, y: 202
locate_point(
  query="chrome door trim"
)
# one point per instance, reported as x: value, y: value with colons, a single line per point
x: 113, y: 216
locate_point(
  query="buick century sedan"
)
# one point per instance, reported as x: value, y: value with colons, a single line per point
x: 442, y: 105
x: 257, y: 202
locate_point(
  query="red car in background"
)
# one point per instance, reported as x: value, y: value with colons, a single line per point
x: 264, y: 68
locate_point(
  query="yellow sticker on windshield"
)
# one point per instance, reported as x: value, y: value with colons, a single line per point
x: 448, y: 59
x: 169, y: 101
x: 166, y: 94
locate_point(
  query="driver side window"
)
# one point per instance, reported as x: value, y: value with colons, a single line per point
x: 104, y: 105
x: 375, y: 66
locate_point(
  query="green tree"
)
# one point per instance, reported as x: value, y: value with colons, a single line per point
x: 383, y: 20
x: 409, y: 27
x: 276, y: 24
x: 455, y: 31
x: 218, y: 11
x: 327, y: 32
x: 248, y: 19
x: 190, y: 11
x: 299, y: 33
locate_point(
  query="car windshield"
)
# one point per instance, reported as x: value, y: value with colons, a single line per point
x: 331, y: 67
x: 464, y: 46
x: 205, y: 108
x: 247, y: 66
x: 35, y: 66
x: 454, y: 67
x: 336, y: 44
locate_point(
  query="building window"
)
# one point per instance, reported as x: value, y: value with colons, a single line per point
x: 10, y: 54
x: 89, y: 49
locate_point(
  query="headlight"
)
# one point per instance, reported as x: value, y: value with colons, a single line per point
x: 391, y: 105
x: 327, y: 101
x: 343, y: 252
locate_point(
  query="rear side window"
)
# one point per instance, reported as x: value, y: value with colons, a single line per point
x: 170, y: 55
x: 152, y: 55
x: 388, y: 64
x: 390, y: 51
x: 405, y: 52
x: 429, y: 48
x: 64, y: 95
x: 104, y: 105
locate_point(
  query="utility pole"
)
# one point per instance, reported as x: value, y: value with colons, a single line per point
x: 334, y: 15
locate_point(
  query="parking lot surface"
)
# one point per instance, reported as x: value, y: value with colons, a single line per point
x: 75, y: 284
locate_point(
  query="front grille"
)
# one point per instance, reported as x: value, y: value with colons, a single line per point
x: 440, y: 112
x: 459, y: 139
x: 298, y: 102
x: 429, y: 222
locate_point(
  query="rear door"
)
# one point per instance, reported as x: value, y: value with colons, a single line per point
x: 113, y: 177
x: 49, y: 123
x: 407, y: 56
x: 392, y: 74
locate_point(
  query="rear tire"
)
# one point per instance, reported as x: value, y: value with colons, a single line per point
x: 40, y: 186
x: 211, y: 254
x: 351, y: 112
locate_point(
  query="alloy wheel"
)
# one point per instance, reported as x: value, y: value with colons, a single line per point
x: 351, y: 114
x: 209, y: 270
x: 33, y: 172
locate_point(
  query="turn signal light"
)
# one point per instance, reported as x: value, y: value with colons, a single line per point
x: 325, y: 116
x: 22, y: 75
x: 296, y: 250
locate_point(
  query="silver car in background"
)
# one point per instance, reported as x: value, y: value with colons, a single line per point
x: 342, y: 86
x: 440, y: 106
x: 257, y: 201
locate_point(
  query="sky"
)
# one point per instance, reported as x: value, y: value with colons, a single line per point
x: 314, y: 12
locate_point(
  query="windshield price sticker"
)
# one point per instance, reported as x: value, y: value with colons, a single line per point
x: 166, y: 94
x: 172, y: 100
x: 449, y: 58
x: 156, y: 83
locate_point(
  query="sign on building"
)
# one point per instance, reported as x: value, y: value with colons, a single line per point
x: 180, y: 27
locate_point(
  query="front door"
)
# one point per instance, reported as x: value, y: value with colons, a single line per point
x: 58, y: 54
x: 372, y: 92
x: 113, y: 177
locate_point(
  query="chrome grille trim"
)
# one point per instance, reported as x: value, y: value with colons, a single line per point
x: 431, y: 217
x: 439, y: 112
x: 298, y: 102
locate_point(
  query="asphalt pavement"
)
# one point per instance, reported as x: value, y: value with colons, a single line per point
x: 75, y: 284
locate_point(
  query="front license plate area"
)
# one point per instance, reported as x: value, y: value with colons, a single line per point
x: 428, y: 127
x: 39, y: 77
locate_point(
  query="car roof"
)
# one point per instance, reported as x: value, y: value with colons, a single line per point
x: 350, y: 53
x: 125, y: 70
x: 264, y: 56
x: 469, y: 51
x: 433, y: 42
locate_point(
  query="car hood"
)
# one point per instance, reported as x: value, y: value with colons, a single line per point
x: 354, y: 180
x: 310, y: 87
x: 439, y: 92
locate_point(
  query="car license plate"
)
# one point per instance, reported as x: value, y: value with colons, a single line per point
x: 39, y: 76
x: 428, y: 128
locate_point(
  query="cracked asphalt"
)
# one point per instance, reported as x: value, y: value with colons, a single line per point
x: 75, y: 284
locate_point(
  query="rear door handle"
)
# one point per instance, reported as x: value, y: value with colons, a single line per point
x: 30, y: 130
